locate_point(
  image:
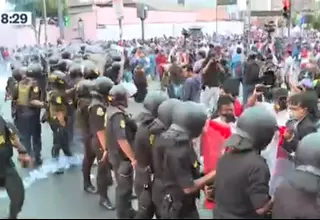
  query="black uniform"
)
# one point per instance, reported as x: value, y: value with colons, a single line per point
x: 9, y: 177
x: 157, y: 127
x: 120, y: 127
x: 27, y: 117
x: 179, y: 162
x: 298, y: 197
x: 83, y: 100
x: 57, y: 114
x: 143, y: 151
x: 242, y: 178
x: 97, y: 123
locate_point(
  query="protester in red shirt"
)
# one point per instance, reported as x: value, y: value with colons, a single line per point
x: 161, y: 59
x: 230, y: 87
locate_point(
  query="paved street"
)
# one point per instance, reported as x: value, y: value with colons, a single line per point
x: 58, y: 197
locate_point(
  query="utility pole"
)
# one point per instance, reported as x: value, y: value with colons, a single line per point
x: 44, y: 4
x: 248, y: 3
x: 60, y: 18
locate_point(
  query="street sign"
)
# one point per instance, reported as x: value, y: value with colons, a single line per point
x: 226, y: 2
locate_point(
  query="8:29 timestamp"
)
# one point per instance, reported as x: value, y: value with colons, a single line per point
x: 16, y: 18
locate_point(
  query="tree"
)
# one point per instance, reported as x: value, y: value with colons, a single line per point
x: 36, y: 7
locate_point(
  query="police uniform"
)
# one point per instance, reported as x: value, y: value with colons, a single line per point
x: 97, y: 115
x: 9, y: 177
x: 83, y: 100
x: 179, y: 162
x: 143, y: 150
x: 28, y: 116
x: 57, y: 114
x: 244, y: 188
x: 298, y: 196
x: 160, y: 125
x: 120, y: 127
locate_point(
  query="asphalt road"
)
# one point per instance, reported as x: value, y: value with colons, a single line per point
x: 51, y: 196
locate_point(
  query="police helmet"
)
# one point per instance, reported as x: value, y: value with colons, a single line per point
x: 118, y: 95
x: 66, y: 55
x: 16, y: 75
x: 153, y: 100
x: 165, y: 111
x: 63, y: 65
x: 191, y: 117
x: 255, y: 129
x: 54, y: 60
x: 76, y: 70
x: 15, y: 65
x: 83, y: 88
x: 103, y: 85
x: 308, y: 154
x: 58, y: 78
x: 34, y: 70
x: 90, y: 71
x: 116, y: 58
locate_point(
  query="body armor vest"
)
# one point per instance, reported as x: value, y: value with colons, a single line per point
x: 52, y: 108
x: 24, y: 94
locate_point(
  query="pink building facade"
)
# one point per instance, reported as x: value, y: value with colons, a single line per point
x: 12, y: 36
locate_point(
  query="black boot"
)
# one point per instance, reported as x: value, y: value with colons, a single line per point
x: 106, y: 203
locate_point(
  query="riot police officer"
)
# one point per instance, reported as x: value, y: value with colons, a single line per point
x: 297, y: 198
x: 143, y: 147
x: 180, y: 167
x: 243, y: 191
x: 97, y: 114
x: 9, y: 177
x: 83, y: 100
x: 57, y: 115
x: 27, y: 98
x: 90, y: 71
x: 158, y: 126
x: 120, y: 132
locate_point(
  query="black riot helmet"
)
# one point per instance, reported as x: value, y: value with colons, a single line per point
x: 118, y: 96
x: 255, y: 129
x: 57, y: 79
x: 83, y: 88
x: 116, y: 58
x: 153, y: 100
x: 16, y: 74
x: 90, y: 71
x: 308, y: 154
x: 66, y: 55
x: 190, y: 117
x: 64, y: 65
x: 34, y: 70
x: 165, y: 111
x: 53, y: 63
x: 76, y: 70
x: 103, y: 85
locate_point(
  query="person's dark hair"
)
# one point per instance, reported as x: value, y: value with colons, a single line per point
x: 202, y: 54
x: 239, y: 50
x: 230, y: 86
x: 224, y: 100
x: 308, y: 100
x: 188, y: 68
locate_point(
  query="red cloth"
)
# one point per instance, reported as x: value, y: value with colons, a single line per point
x: 238, y: 109
x: 281, y: 153
x: 212, y: 146
x: 5, y: 54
